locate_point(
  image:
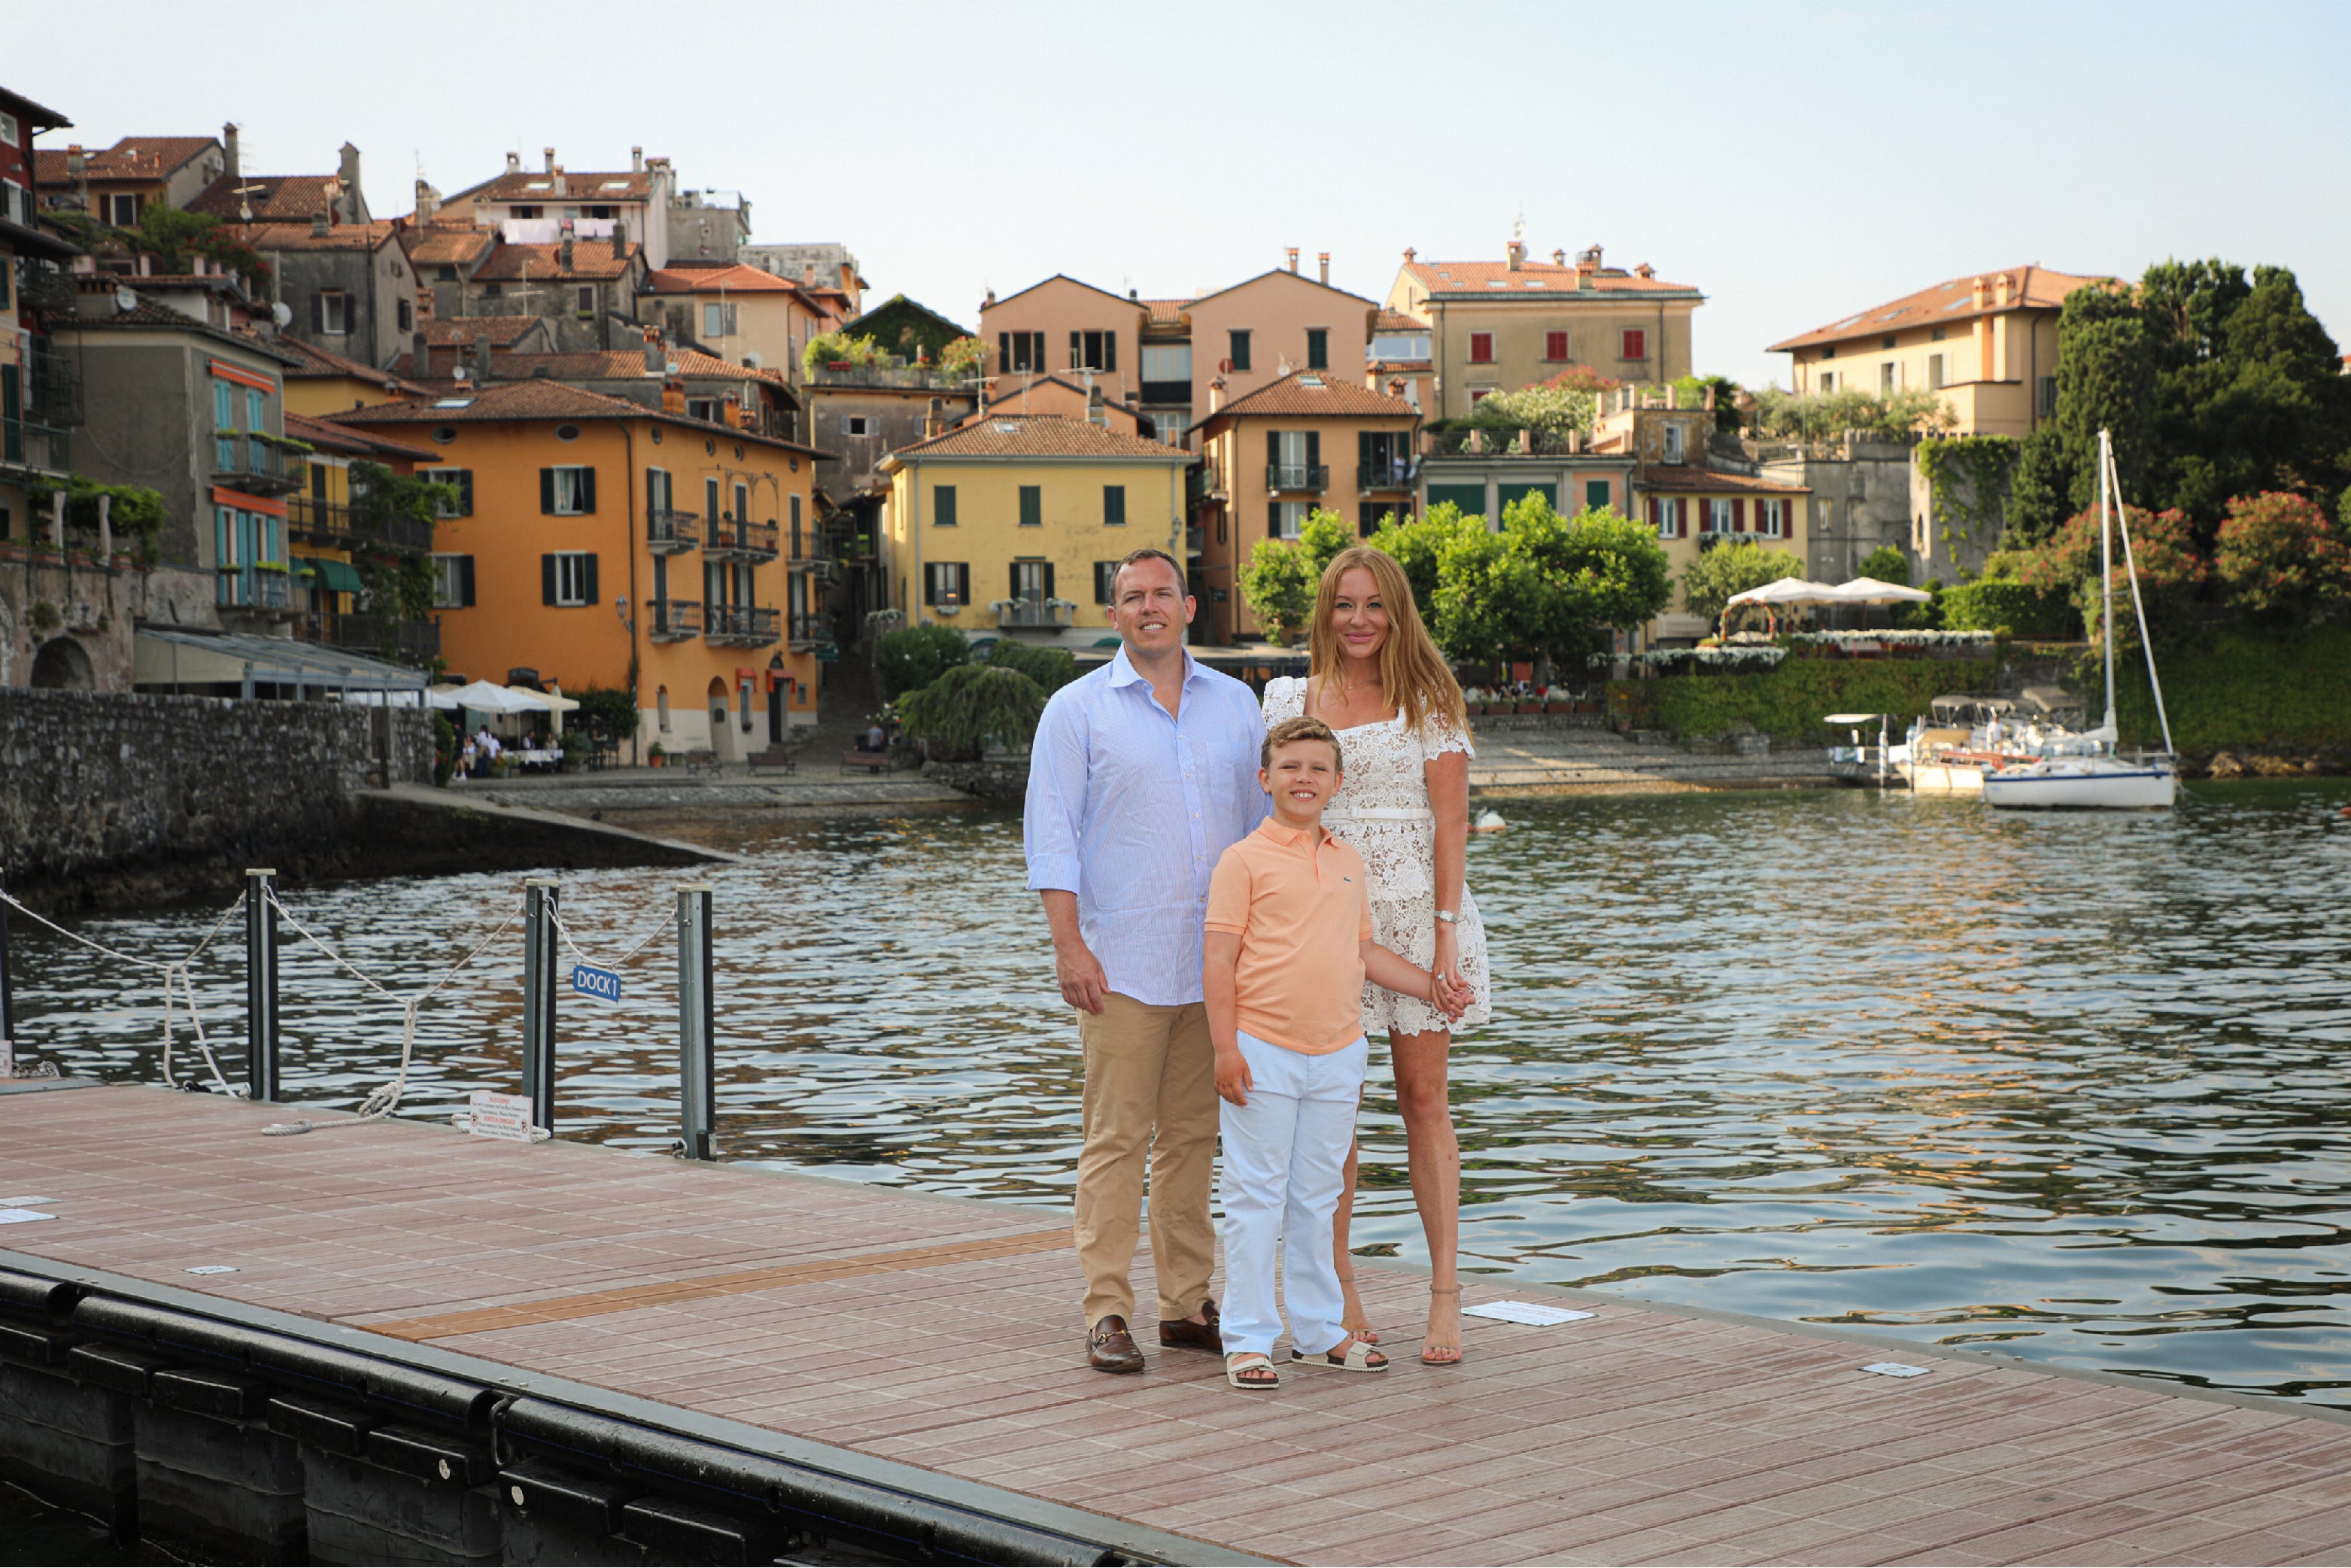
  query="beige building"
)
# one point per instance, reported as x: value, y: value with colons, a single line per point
x: 1498, y: 326
x: 738, y: 313
x: 1988, y: 344
x: 523, y: 207
x: 1062, y: 326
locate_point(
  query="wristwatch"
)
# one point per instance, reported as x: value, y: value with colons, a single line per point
x: 1447, y: 916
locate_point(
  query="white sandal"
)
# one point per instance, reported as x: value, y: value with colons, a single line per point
x: 1242, y: 1361
x: 1358, y: 1358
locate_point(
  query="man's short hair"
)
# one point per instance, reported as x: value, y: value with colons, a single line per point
x: 1146, y: 553
x: 1302, y: 729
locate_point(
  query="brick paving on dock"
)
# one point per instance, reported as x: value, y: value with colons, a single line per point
x: 945, y: 1334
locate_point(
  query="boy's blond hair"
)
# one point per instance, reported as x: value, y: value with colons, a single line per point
x: 1302, y: 729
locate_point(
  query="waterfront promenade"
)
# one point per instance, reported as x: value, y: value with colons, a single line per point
x: 941, y: 1334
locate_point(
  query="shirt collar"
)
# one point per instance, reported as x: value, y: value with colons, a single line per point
x: 1122, y: 672
x: 1290, y: 838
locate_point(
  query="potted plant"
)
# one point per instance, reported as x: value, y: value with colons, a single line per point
x: 656, y: 756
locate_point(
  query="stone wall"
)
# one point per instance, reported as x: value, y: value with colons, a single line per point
x: 115, y: 798
x: 1003, y: 780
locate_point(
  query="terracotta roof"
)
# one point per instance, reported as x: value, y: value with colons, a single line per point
x: 519, y: 186
x: 1397, y: 321
x: 590, y: 258
x: 734, y: 279
x: 1037, y: 435
x: 1166, y: 312
x: 1689, y: 477
x: 335, y: 438
x: 1952, y: 299
x: 1010, y: 398
x: 1311, y: 394
x: 501, y: 330
x: 147, y: 313
x: 132, y: 158
x: 1494, y: 279
x: 299, y: 237
x: 437, y: 245
x: 602, y: 365
x: 274, y: 198
x: 37, y: 116
x: 540, y: 399
x: 325, y: 364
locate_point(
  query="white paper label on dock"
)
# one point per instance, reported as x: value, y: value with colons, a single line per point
x: 1894, y: 1369
x: 501, y: 1116
x: 22, y: 1216
x: 1523, y: 1313
x: 211, y: 1268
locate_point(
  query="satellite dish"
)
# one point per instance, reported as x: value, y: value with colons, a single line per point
x: 281, y: 314
x: 125, y: 302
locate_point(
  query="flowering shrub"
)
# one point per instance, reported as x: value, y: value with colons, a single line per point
x: 1745, y: 656
x: 2169, y: 570
x: 1897, y: 639
x: 2281, y: 558
x: 962, y: 357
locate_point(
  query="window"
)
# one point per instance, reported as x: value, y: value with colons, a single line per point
x: 1400, y: 346
x: 1480, y: 394
x: 1284, y: 518
x: 1482, y: 348
x: 660, y: 709
x: 718, y: 320
x: 1239, y: 353
x: 710, y: 500
x: 1094, y: 350
x: 8, y: 132
x: 567, y: 492
x: 1889, y: 375
x: 1032, y: 506
x: 567, y: 578
x: 1667, y: 515
x: 331, y: 310
x: 1596, y: 493
x: 946, y: 583
x: 1771, y: 517
x: 1168, y: 362
x: 1674, y: 448
x: 1887, y: 341
x: 1828, y: 381
x: 527, y: 210
x: 1169, y: 424
x: 1020, y: 351
x: 1634, y: 344
x: 702, y: 408
x: 1106, y: 582
x: 587, y: 298
x: 2044, y: 399
x: 1032, y: 581
x: 1937, y: 334
x: 1934, y: 372
x: 796, y: 529
x: 1829, y: 352
x: 742, y: 503
x: 405, y: 316
x: 1115, y: 505
x: 452, y: 582
x: 121, y: 209
x: 856, y: 424
x: 1718, y: 516
x: 1318, y: 348
x: 461, y: 480
x: 224, y: 406
x: 943, y: 505
x: 1555, y: 347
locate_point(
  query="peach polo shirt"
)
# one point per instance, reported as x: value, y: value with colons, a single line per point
x: 1296, y: 900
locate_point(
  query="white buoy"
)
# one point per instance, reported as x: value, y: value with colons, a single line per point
x: 1489, y: 822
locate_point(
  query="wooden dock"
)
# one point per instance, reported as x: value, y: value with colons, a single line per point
x: 942, y: 1336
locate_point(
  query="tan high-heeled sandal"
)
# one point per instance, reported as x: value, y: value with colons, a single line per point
x: 1364, y: 1331
x: 1455, y: 1359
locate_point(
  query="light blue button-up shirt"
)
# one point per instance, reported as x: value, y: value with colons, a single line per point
x: 1130, y: 808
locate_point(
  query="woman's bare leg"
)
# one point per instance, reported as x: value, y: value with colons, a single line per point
x: 1354, y: 1320
x: 1434, y: 1155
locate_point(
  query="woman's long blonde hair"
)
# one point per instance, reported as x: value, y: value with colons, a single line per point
x: 1413, y: 673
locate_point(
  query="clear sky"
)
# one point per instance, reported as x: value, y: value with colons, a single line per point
x: 1795, y: 161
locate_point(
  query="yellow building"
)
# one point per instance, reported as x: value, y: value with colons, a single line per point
x: 330, y: 529
x: 1012, y: 523
x: 1987, y: 343
x: 325, y: 382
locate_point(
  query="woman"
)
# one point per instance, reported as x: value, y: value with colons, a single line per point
x: 1376, y: 679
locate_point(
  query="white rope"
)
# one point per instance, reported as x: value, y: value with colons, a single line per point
x: 663, y: 925
x: 384, y: 1098
x: 174, y: 971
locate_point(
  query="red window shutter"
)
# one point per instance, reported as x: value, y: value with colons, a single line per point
x: 1657, y: 514
x: 1738, y: 516
x: 1555, y: 346
x: 1637, y: 343
x: 1482, y: 348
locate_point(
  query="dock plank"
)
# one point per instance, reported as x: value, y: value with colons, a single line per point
x: 945, y: 1334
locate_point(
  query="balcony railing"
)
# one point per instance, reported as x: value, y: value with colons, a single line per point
x: 362, y: 632
x: 1034, y: 614
x: 818, y: 570
x: 733, y: 540
x: 342, y: 524
x: 1500, y: 443
x: 1297, y: 476
x: 810, y: 630
x: 669, y: 532
x: 1398, y: 474
x: 743, y: 625
x: 926, y: 377
x: 672, y: 619
x: 24, y: 445
x: 253, y: 463
x: 52, y: 385
x: 248, y: 588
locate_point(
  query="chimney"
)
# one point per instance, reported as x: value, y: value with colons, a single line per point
x: 558, y: 173
x: 1709, y: 399
x: 350, y: 171
x: 318, y: 226
x: 655, y: 361
x: 807, y: 275
x: 550, y: 161
x: 482, y: 358
x: 620, y: 238
x: 1645, y: 270
x: 514, y: 162
x: 1395, y: 386
x: 1409, y: 253
x: 1324, y: 257
x: 567, y: 248
x: 1134, y: 294
x: 2005, y: 287
x: 428, y: 201
x: 1293, y: 259
x: 1976, y: 294
x: 1518, y: 255
x: 228, y: 147
x: 673, y: 397
x: 990, y: 302
x: 1559, y: 259
x: 1216, y: 394
x: 1095, y: 413
x: 636, y: 160
x: 934, y: 421
x: 420, y: 357
x: 1673, y: 396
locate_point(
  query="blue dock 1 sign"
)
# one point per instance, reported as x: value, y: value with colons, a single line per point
x: 603, y: 985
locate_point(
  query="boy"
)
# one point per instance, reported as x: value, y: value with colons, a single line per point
x: 1288, y: 945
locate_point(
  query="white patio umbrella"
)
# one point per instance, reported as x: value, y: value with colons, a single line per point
x: 1787, y: 590
x: 1870, y: 591
x: 482, y: 697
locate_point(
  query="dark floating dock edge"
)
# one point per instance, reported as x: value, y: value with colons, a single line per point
x: 229, y: 1390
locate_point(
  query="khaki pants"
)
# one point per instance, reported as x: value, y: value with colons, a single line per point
x: 1151, y: 1090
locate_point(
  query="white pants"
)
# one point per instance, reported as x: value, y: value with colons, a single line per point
x: 1285, y: 1160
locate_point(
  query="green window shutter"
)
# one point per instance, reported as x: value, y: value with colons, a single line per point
x: 588, y: 588
x: 588, y: 492
x: 1032, y: 506
x: 1272, y: 448
x: 1004, y: 350
x: 1318, y: 348
x: 1114, y: 504
x: 465, y: 581
x: 1596, y: 493
x: 546, y: 576
x: 546, y: 501
x: 1077, y: 350
x: 1313, y: 451
x: 943, y: 505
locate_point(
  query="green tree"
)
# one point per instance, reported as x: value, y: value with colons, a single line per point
x: 915, y: 656
x: 397, y: 587
x: 173, y: 235
x: 1544, y: 585
x: 2040, y: 494
x: 958, y: 711
x: 2171, y: 571
x: 1418, y: 542
x: 1708, y: 581
x: 837, y: 347
x: 1277, y: 583
x: 1050, y: 668
x: 1489, y: 601
x: 1886, y: 564
x: 2283, y: 559
x: 607, y: 713
x: 1822, y: 416
x: 1322, y: 537
x: 1552, y: 407
x: 2105, y: 381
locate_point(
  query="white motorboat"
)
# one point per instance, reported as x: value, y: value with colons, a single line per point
x: 2099, y: 779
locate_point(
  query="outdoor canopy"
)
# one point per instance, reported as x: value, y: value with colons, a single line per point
x: 1869, y: 590
x: 1788, y: 590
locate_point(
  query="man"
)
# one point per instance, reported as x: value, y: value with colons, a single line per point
x: 1142, y: 773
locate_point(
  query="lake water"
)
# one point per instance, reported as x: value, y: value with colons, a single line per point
x: 2072, y: 1086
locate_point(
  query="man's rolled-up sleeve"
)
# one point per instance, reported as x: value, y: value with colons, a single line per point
x: 1056, y: 807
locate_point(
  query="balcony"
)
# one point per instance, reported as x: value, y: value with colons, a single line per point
x: 346, y: 527
x: 672, y: 619
x: 810, y: 631
x: 1398, y: 474
x: 250, y: 588
x: 256, y: 464
x: 733, y: 540
x: 818, y: 570
x: 1034, y: 614
x: 1314, y: 477
x: 1497, y: 443
x: 671, y: 533
x: 41, y: 448
x: 922, y: 378
x: 52, y: 385
x: 743, y: 625
x: 410, y: 642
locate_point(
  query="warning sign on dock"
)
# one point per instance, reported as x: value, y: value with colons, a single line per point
x: 500, y: 1116
x: 603, y: 985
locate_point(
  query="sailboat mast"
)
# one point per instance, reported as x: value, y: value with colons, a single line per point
x: 2106, y: 570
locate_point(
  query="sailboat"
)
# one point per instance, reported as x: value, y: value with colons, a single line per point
x: 2097, y: 778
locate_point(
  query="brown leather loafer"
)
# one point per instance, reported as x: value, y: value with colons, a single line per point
x: 1109, y: 1348
x: 1190, y: 1335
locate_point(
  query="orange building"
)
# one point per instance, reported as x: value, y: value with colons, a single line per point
x: 602, y: 543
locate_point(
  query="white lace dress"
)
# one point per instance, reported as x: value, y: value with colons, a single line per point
x: 1381, y: 809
